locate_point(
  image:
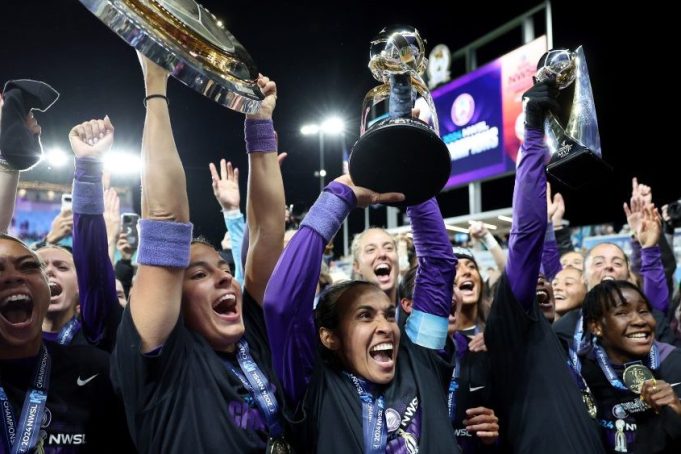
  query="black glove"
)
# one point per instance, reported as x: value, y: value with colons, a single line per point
x: 537, y: 102
x: 20, y: 149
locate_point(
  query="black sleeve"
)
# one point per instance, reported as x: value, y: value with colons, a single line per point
x: 508, y: 323
x: 565, y: 326
x: 564, y: 240
x: 145, y: 379
x: 668, y: 262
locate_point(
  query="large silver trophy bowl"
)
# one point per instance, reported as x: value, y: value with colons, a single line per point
x: 396, y: 151
x: 186, y: 39
x: 572, y: 134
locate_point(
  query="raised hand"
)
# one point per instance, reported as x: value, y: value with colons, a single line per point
x: 124, y: 247
x: 555, y: 207
x: 226, y: 185
x: 650, y: 227
x: 658, y: 393
x: 269, y: 89
x: 477, y: 230
x: 641, y: 190
x: 92, y: 139
x: 61, y: 227
x: 537, y: 102
x: 482, y: 422
x: 366, y: 197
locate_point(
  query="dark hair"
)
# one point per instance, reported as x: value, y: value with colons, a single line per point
x: 202, y: 240
x: 605, y: 296
x: 407, y: 284
x: 330, y: 307
x: 4, y: 236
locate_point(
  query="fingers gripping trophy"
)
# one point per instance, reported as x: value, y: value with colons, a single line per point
x: 572, y: 133
x: 400, y: 150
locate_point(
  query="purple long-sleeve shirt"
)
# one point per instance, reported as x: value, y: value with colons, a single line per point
x: 654, y: 280
x: 529, y: 220
x: 96, y: 278
x: 288, y: 302
x: 550, y: 259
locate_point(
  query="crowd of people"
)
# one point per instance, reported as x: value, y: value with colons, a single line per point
x: 255, y: 347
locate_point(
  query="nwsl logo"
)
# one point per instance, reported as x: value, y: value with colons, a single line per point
x: 463, y: 109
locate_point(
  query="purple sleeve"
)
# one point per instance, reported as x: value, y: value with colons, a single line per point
x: 290, y: 293
x: 96, y: 281
x: 427, y: 324
x: 635, y: 256
x: 654, y: 280
x: 529, y: 220
x: 550, y: 258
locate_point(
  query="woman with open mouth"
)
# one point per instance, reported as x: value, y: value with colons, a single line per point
x: 632, y: 378
x: 192, y: 360
x: 372, y: 388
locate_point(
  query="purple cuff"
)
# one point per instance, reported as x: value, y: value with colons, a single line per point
x: 88, y: 193
x: 260, y: 136
x: 331, y: 208
x: 550, y: 235
x: 164, y: 243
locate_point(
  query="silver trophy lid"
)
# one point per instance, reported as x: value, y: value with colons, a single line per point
x: 186, y: 39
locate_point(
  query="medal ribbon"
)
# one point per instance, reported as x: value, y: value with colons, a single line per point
x: 23, y: 439
x: 258, y: 386
x: 373, y: 418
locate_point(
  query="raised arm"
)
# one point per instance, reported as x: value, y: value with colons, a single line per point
x: 550, y: 260
x: 652, y: 271
x: 289, y: 298
x: 227, y: 193
x: 96, y: 281
x: 427, y: 325
x: 479, y: 232
x: 529, y: 198
x: 265, y: 198
x: 165, y: 233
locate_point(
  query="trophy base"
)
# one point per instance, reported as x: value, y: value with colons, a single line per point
x: 401, y: 155
x: 578, y: 167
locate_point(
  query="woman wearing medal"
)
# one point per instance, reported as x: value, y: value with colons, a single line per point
x: 191, y: 359
x: 371, y: 387
x: 633, y: 379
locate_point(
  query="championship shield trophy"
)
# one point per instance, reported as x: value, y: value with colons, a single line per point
x: 397, y: 152
x: 572, y: 133
x: 190, y: 42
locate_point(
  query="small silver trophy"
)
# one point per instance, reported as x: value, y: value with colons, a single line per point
x: 572, y: 136
x: 397, y: 152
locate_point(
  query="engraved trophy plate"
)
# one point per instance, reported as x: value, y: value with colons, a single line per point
x: 187, y: 40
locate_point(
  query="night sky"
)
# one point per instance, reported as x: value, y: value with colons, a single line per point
x: 317, y: 53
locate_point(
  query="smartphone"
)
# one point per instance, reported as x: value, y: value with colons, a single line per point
x: 66, y: 202
x: 129, y: 228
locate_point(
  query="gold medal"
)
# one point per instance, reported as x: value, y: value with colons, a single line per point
x: 590, y: 404
x: 635, y: 375
x: 278, y: 446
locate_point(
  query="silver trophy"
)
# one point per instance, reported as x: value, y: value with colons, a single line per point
x: 190, y: 42
x: 572, y: 134
x: 397, y: 152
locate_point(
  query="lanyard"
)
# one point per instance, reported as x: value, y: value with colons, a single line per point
x: 258, y: 386
x: 22, y: 439
x: 604, y: 363
x: 68, y: 331
x: 577, y: 344
x: 373, y: 419
x: 461, y: 344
